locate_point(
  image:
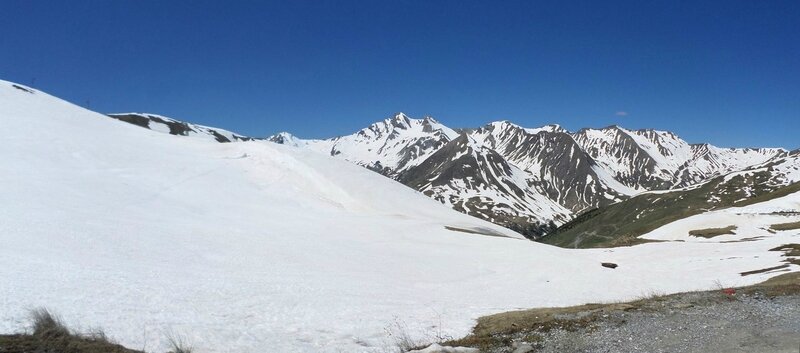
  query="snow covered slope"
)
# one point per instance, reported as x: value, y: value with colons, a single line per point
x: 254, y: 247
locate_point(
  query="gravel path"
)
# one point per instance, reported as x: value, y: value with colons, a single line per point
x: 692, y: 322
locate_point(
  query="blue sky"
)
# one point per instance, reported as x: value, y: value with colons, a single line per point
x: 725, y: 72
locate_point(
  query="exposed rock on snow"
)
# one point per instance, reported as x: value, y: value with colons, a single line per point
x: 177, y: 127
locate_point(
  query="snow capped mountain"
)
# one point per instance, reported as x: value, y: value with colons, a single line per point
x: 636, y: 161
x: 657, y: 160
x: 390, y: 146
x: 285, y: 138
x: 554, y: 163
x: 710, y: 161
x: 474, y: 179
x: 556, y: 174
x: 180, y: 128
x: 776, y: 172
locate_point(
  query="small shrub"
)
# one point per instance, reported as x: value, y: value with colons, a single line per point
x: 97, y: 335
x: 47, y: 324
x: 398, y: 332
x: 179, y: 345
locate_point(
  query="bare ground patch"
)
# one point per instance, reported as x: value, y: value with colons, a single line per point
x: 786, y: 226
x: 712, y: 232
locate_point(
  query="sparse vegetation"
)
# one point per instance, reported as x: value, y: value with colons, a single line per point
x: 51, y: 335
x: 46, y: 324
x: 712, y: 232
x: 785, y: 284
x: 398, y: 332
x: 178, y: 344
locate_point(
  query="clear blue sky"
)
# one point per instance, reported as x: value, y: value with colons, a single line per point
x: 725, y: 72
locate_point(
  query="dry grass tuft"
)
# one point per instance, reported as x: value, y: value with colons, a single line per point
x: 46, y: 324
x: 179, y: 345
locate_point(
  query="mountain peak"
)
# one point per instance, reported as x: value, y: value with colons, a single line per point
x: 430, y: 119
x: 503, y: 127
x: 547, y: 128
x: 285, y: 138
x: 400, y: 120
x: 504, y: 124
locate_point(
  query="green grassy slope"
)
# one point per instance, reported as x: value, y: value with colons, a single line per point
x: 619, y: 224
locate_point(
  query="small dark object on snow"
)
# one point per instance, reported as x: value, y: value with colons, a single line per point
x: 609, y: 264
x: 22, y: 88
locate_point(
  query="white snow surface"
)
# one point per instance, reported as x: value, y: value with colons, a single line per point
x: 253, y: 246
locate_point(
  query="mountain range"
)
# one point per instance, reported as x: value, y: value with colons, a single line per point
x: 533, y: 180
x: 530, y: 180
